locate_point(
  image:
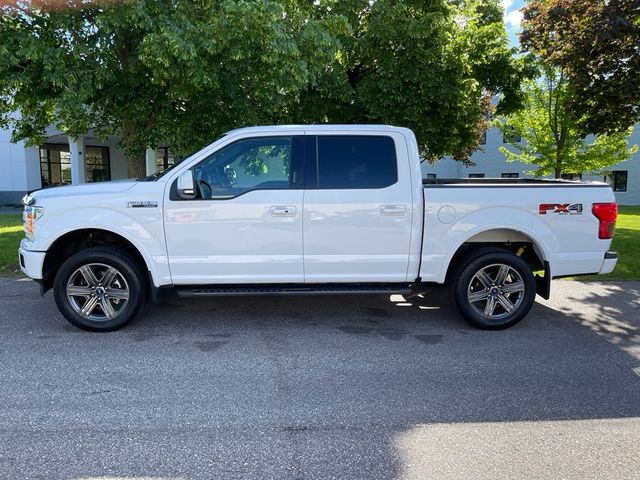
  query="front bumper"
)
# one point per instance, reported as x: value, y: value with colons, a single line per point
x: 30, y: 261
x: 609, y: 263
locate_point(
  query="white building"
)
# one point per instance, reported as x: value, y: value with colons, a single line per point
x: 62, y: 160
x: 491, y: 163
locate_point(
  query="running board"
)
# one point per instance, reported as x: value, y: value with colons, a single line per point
x: 323, y: 289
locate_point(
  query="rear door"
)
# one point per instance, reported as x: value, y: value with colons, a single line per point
x: 357, y: 207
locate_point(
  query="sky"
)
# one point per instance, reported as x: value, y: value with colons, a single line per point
x: 512, y: 18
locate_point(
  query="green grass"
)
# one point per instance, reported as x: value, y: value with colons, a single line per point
x: 10, y: 235
x: 627, y: 243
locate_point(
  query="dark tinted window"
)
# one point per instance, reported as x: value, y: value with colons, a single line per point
x: 356, y: 161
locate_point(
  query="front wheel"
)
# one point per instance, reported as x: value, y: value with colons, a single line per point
x: 494, y: 290
x: 99, y: 289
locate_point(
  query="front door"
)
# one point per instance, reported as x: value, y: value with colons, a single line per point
x: 245, y: 224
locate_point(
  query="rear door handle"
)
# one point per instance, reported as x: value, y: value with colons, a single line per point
x: 393, y: 210
x: 283, y: 211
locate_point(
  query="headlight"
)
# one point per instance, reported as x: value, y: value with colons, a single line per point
x: 30, y: 216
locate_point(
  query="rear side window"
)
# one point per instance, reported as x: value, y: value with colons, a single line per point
x: 356, y: 161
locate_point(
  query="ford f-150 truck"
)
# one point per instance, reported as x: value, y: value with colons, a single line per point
x: 312, y: 210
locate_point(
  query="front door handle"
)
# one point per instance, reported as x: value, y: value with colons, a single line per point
x: 393, y: 210
x: 283, y: 211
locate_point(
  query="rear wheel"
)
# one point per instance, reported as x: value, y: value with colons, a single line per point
x: 100, y: 289
x: 493, y: 289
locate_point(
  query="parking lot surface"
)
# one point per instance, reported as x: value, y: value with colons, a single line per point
x: 323, y: 387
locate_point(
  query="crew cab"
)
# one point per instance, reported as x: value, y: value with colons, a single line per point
x: 329, y: 209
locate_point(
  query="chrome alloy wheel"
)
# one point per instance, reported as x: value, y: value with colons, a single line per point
x: 97, y: 292
x: 495, y: 291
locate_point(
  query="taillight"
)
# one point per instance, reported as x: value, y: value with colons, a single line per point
x: 607, y: 214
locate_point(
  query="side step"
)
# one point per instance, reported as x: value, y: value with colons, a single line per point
x: 287, y: 289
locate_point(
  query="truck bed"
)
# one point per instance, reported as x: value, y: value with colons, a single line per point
x: 508, y: 182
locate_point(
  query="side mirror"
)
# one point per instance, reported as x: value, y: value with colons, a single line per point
x: 186, y: 185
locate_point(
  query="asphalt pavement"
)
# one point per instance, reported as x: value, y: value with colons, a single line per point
x: 323, y: 387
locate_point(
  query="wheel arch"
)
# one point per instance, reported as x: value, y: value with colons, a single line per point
x: 79, y: 239
x: 525, y: 244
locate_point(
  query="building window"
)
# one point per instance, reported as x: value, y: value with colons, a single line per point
x: 617, y: 180
x: 571, y: 176
x: 55, y: 165
x: 511, y: 136
x: 164, y: 158
x: 97, y: 165
x: 431, y: 176
x: 510, y: 175
x: 476, y: 175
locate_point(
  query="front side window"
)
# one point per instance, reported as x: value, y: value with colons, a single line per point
x: 248, y: 164
x: 356, y: 161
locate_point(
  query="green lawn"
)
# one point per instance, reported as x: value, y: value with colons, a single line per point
x: 10, y: 235
x: 626, y: 242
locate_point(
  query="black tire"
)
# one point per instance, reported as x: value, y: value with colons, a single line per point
x: 91, y: 305
x: 476, y: 282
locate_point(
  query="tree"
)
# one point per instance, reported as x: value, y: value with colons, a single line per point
x: 553, y: 141
x: 431, y: 66
x: 180, y: 72
x: 183, y: 72
x: 597, y: 44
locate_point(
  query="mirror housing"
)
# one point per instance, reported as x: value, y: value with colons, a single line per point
x: 186, y: 188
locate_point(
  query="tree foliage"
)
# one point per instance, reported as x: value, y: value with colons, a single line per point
x: 182, y: 72
x: 432, y: 66
x: 597, y: 45
x: 552, y: 139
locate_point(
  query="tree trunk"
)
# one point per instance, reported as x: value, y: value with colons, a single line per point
x: 558, y: 172
x: 136, y: 166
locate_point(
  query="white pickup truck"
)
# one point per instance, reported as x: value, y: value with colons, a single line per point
x: 312, y: 210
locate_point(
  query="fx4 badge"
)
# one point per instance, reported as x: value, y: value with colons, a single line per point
x: 561, y: 208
